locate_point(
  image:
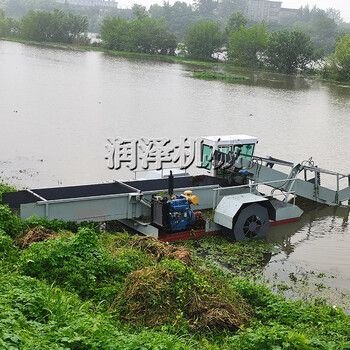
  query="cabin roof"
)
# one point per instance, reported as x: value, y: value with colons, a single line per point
x: 232, y: 139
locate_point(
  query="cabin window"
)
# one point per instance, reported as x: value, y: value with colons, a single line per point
x: 225, y: 149
x: 207, y: 157
x: 244, y: 151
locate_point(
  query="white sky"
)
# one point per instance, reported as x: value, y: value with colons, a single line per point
x: 342, y: 5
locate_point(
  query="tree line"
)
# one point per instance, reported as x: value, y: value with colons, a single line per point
x: 46, y: 26
x: 245, y: 44
x: 142, y: 34
x: 324, y: 27
x: 284, y: 51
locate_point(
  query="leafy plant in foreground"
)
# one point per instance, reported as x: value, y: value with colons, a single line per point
x: 35, y: 315
x: 5, y: 243
x: 291, y: 324
x: 9, y: 222
x: 6, y: 188
x: 79, y: 263
x: 101, y: 267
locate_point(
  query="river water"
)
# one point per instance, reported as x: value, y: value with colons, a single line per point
x: 58, y: 107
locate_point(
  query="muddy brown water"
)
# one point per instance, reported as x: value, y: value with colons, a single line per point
x: 57, y: 108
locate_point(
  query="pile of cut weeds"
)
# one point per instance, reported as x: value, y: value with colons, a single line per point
x: 153, y: 246
x: 176, y: 292
x: 37, y: 234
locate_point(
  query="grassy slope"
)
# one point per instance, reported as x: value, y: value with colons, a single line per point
x: 74, y: 293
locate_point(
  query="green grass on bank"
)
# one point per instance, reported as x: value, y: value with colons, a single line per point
x: 71, y: 286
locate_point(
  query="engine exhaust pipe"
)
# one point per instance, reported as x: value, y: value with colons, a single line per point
x: 171, y: 184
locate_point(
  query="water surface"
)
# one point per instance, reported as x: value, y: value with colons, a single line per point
x: 57, y: 108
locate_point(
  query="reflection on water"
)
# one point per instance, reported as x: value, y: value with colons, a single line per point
x: 278, y: 81
x: 339, y: 92
x: 58, y: 107
x: 321, y: 227
x: 314, y: 259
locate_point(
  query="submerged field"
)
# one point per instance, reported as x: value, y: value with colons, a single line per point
x: 69, y: 286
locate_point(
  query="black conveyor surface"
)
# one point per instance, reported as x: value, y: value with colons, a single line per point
x: 15, y: 199
x: 83, y: 191
x: 179, y: 182
x: 21, y: 197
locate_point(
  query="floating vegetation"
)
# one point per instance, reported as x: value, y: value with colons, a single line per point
x: 237, y: 258
x: 218, y: 76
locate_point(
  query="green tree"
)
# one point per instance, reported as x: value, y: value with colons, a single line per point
x: 56, y: 26
x: 324, y: 31
x: 289, y: 52
x: 3, y: 24
x: 157, y: 11
x: 320, y: 25
x: 177, y: 16
x: 148, y: 35
x: 141, y: 34
x: 35, y: 25
x: 338, y: 65
x: 235, y: 22
x: 202, y: 40
x: 181, y: 15
x: 323, y: 27
x: 115, y: 33
x: 15, y: 8
x: 227, y: 7
x: 246, y: 44
x: 8, y: 26
x: 139, y: 11
x: 206, y: 8
x: 334, y: 14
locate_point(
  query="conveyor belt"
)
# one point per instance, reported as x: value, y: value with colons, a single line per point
x: 179, y: 182
x: 15, y: 199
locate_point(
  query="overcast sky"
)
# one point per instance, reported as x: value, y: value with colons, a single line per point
x: 342, y: 5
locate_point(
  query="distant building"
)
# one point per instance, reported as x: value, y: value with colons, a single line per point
x: 90, y: 3
x: 267, y: 10
x: 287, y: 13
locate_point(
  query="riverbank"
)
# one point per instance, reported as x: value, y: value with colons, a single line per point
x: 217, y: 66
x: 119, y: 53
x: 213, y: 65
x: 74, y: 286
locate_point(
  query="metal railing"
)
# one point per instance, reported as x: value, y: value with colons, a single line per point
x: 254, y: 186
